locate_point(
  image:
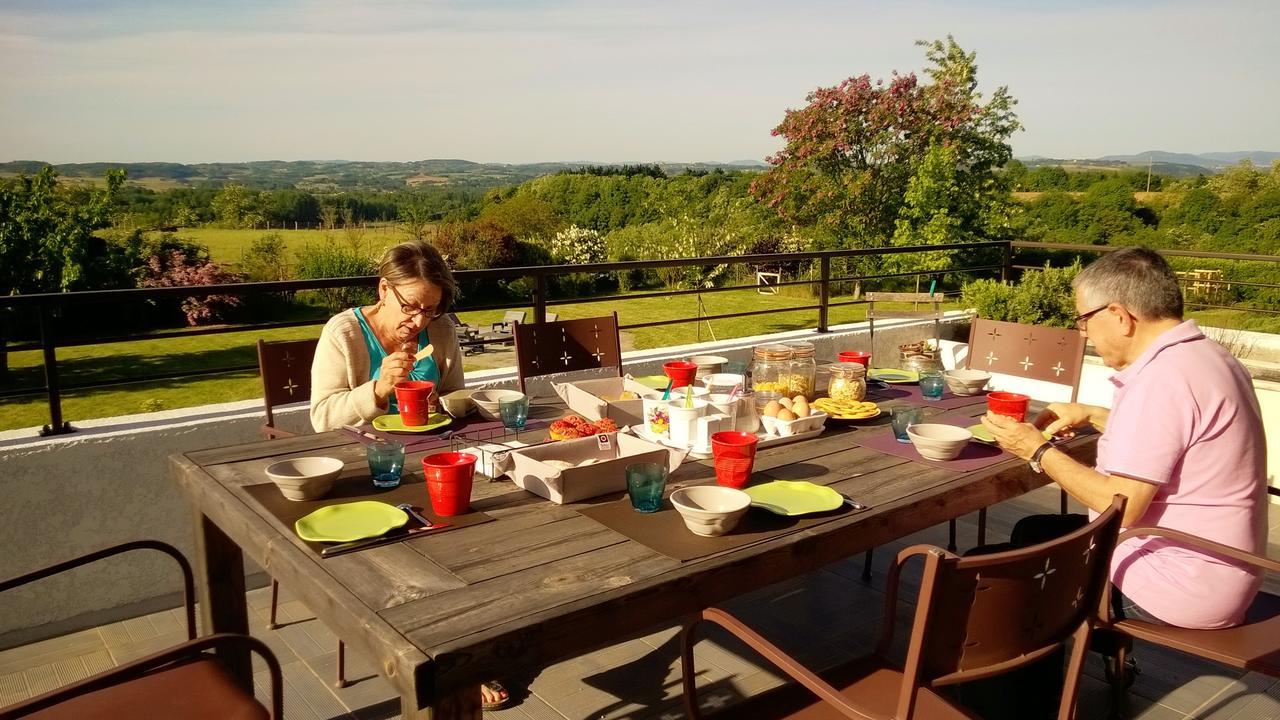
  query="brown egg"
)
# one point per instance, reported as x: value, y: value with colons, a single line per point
x: 785, y: 402
x: 772, y: 409
x: 801, y: 409
x: 785, y: 414
x: 799, y: 399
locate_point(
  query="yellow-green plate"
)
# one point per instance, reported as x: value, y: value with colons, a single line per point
x: 657, y: 382
x: 350, y: 521
x: 980, y: 432
x: 794, y: 497
x: 393, y: 423
x: 894, y: 376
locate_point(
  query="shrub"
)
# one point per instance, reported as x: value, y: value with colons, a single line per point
x: 172, y: 262
x: 265, y: 259
x: 331, y: 259
x: 477, y: 245
x: 1041, y: 297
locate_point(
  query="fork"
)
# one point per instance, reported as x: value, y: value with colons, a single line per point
x: 416, y: 515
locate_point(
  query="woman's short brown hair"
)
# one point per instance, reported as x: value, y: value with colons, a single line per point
x: 418, y: 260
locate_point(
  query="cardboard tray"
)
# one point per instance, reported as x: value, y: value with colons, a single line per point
x: 597, y: 399
x: 528, y: 469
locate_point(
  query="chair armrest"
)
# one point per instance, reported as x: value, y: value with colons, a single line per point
x: 499, y: 327
x: 1258, y: 561
x: 188, y: 582
x: 891, y: 591
x: 133, y: 670
x: 273, y: 433
x: 775, y: 655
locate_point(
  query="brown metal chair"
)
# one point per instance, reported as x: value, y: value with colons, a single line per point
x: 285, y: 366
x: 567, y: 346
x: 182, y: 681
x: 975, y: 617
x: 1036, y: 352
x: 1253, y: 645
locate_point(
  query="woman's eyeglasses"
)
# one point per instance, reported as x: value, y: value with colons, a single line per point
x: 413, y: 310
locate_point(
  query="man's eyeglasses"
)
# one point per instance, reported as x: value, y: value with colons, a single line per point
x: 412, y: 310
x: 1082, y: 320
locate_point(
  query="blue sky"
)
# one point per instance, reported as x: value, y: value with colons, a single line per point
x: 511, y: 81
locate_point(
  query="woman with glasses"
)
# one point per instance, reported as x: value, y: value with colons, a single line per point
x: 363, y: 352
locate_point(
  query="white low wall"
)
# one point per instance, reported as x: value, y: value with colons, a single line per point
x: 107, y: 483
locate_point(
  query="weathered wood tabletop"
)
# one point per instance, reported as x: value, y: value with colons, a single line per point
x: 443, y: 612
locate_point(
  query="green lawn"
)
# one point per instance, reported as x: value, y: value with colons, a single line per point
x: 141, y: 357
x: 225, y: 245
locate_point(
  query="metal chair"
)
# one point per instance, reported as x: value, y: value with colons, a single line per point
x: 1253, y: 645
x: 934, y: 300
x: 975, y: 617
x: 1034, y: 352
x: 567, y: 346
x: 182, y: 681
x: 285, y: 367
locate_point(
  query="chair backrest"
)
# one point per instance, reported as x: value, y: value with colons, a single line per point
x: 1035, y: 352
x: 934, y: 312
x: 567, y: 346
x: 513, y: 316
x: 552, y: 317
x: 285, y: 367
x: 983, y: 615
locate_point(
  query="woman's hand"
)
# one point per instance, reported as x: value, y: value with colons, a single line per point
x: 1061, y: 419
x: 1021, y: 439
x: 395, y: 368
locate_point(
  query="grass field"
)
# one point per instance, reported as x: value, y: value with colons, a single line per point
x: 122, y: 361
x: 226, y: 245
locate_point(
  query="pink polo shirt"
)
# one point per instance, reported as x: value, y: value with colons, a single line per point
x: 1185, y: 417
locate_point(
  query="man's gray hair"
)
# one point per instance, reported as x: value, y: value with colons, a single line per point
x: 1137, y: 278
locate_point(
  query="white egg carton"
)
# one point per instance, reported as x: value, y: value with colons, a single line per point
x: 787, y: 428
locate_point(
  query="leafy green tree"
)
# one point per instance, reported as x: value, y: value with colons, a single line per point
x: 236, y: 206
x: 266, y: 259
x: 47, y: 240
x: 526, y: 217
x: 851, y: 153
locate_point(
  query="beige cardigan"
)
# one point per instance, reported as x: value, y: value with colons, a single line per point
x: 341, y: 391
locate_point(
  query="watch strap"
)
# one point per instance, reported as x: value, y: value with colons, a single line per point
x: 1038, y: 454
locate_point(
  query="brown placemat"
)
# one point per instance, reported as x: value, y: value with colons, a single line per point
x: 665, y: 532
x: 359, y: 487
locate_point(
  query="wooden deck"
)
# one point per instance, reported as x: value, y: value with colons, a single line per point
x: 824, y: 617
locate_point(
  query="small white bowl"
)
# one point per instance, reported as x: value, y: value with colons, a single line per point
x: 458, y: 403
x: 966, y: 382
x: 721, y: 381
x: 708, y: 364
x: 938, y: 441
x: 305, y: 478
x: 710, y: 510
x: 487, y: 401
x: 787, y: 428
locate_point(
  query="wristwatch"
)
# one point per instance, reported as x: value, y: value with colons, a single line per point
x: 1038, y: 454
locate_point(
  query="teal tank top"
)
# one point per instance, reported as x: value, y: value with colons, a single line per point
x: 424, y: 369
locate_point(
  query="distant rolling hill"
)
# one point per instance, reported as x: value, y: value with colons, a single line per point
x: 332, y: 175
x: 1165, y: 163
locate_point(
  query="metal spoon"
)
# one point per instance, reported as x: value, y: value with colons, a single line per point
x: 416, y: 515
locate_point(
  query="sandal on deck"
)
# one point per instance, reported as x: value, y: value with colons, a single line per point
x: 497, y: 688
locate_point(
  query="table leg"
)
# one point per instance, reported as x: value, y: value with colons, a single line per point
x: 463, y: 704
x: 220, y: 569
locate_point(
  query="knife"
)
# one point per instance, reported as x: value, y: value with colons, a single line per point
x: 346, y: 547
x: 852, y: 503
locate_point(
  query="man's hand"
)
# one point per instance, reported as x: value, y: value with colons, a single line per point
x: 1021, y: 439
x: 1061, y: 419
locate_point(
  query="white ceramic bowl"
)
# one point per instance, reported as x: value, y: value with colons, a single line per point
x: 723, y: 382
x: 966, y: 382
x: 708, y: 364
x: 710, y: 510
x: 787, y: 428
x: 305, y: 478
x: 458, y: 403
x: 487, y: 401
x: 937, y: 441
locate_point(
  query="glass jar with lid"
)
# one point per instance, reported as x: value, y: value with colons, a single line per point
x: 848, y: 382
x: 803, y: 376
x: 770, y: 368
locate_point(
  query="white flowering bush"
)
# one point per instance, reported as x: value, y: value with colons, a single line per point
x: 578, y: 246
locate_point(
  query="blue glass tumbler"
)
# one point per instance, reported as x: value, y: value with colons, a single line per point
x: 931, y: 384
x: 645, y: 483
x: 386, y: 463
x: 514, y: 412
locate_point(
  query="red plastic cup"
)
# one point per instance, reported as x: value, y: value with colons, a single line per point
x: 856, y: 356
x: 734, y: 454
x: 449, y: 477
x: 413, y: 398
x: 1009, y: 404
x: 681, y: 372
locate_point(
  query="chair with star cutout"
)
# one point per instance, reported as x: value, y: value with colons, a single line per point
x: 975, y: 617
x: 566, y: 346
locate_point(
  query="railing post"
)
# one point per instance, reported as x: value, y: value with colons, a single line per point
x: 1006, y: 261
x: 824, y: 292
x: 48, y: 346
x: 540, y: 298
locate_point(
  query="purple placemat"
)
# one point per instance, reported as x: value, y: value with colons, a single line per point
x: 416, y: 443
x: 975, y: 455
x: 911, y: 394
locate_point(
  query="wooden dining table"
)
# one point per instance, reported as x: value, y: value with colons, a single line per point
x: 541, y: 582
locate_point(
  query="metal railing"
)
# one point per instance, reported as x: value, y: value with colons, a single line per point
x: 48, y: 308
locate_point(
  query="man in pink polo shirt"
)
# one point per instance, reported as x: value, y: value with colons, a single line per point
x: 1183, y: 442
